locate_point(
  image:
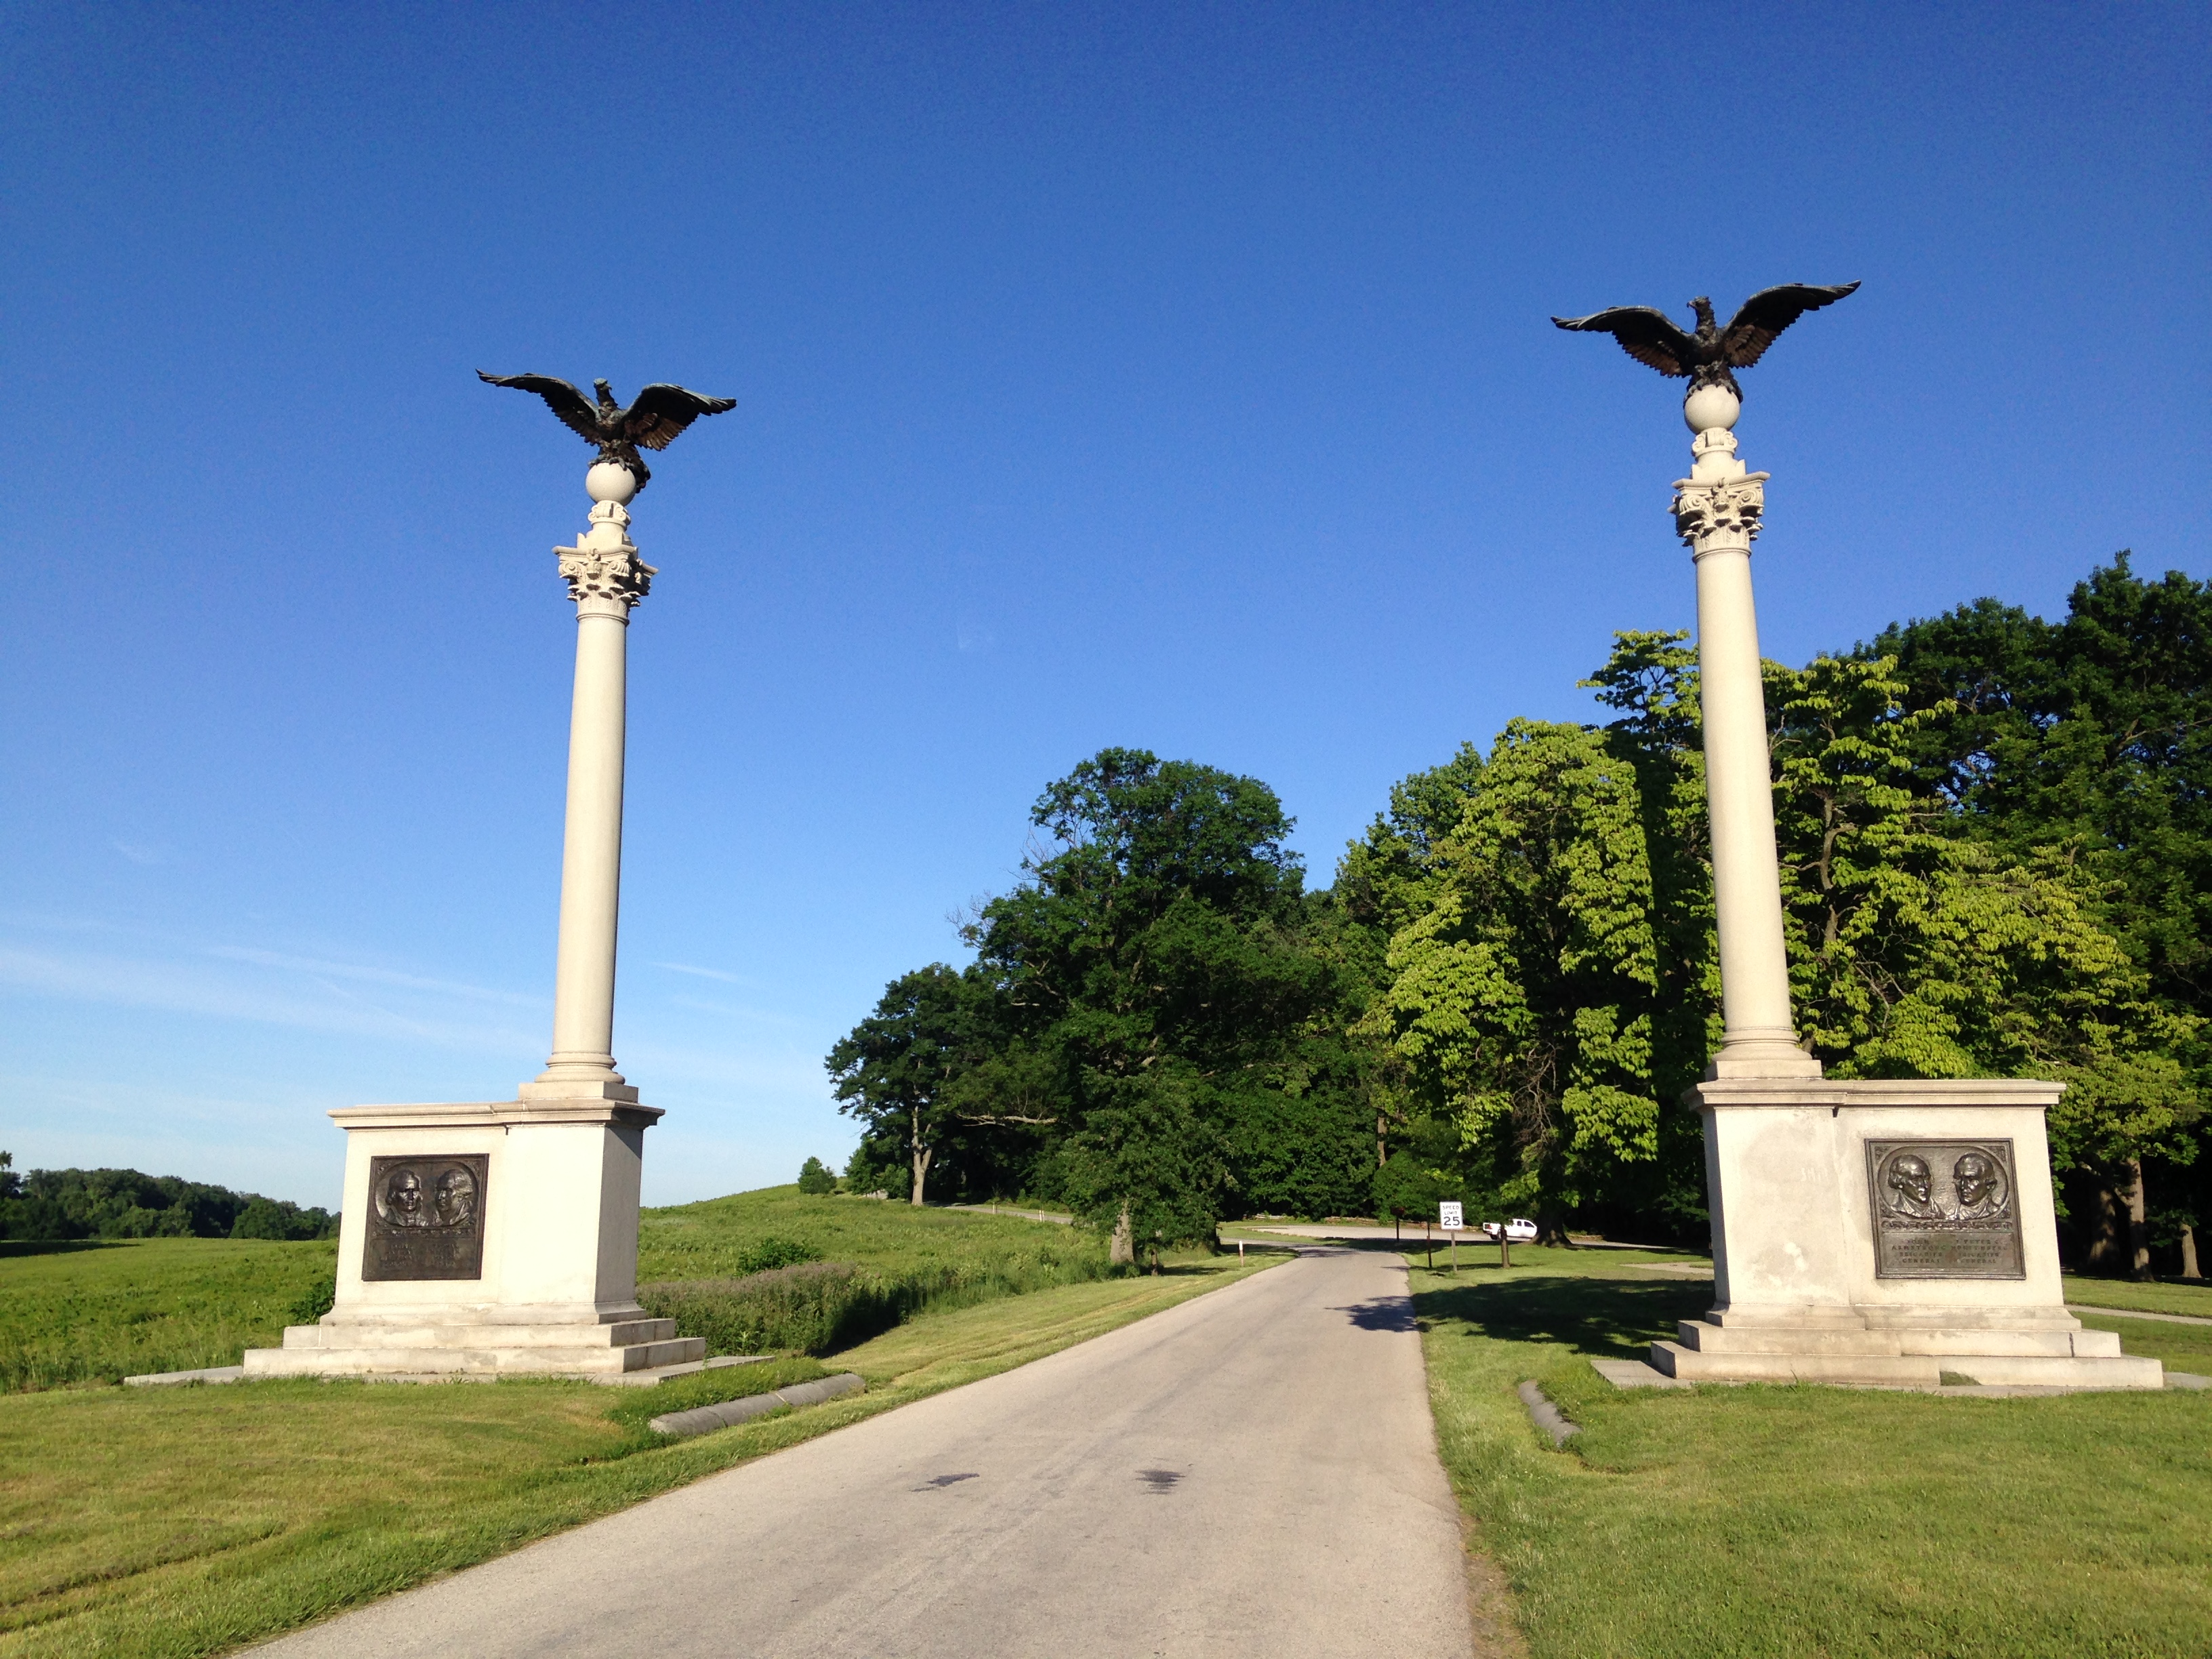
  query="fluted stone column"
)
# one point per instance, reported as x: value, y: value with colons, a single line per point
x: 606, y: 578
x: 1716, y: 512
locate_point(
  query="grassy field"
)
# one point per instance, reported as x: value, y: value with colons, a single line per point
x: 710, y: 1240
x: 1728, y: 1522
x: 152, y: 1304
x: 183, y: 1521
x: 172, y: 1304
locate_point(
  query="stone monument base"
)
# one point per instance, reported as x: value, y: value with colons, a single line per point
x: 484, y: 1348
x: 1885, y: 1233
x: 488, y: 1238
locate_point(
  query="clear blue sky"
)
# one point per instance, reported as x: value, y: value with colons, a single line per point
x: 1173, y: 375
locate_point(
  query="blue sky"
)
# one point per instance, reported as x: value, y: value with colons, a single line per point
x: 1175, y: 376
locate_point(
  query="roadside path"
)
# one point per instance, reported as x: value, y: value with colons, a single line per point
x: 1252, y: 1473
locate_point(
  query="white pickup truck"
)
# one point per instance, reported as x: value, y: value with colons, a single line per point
x: 1515, y: 1232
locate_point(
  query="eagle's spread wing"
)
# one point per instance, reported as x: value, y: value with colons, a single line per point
x: 662, y: 411
x: 1767, y: 314
x: 1644, y: 334
x: 577, y: 412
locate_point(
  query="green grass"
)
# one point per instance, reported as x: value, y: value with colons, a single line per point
x: 161, y: 1523
x: 172, y: 1304
x: 155, y: 1304
x: 2167, y: 1297
x: 873, y: 1264
x: 710, y: 1240
x: 1730, y: 1522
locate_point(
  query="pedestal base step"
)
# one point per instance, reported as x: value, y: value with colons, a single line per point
x: 1910, y: 1357
x: 1891, y: 1370
x: 2113, y: 1371
x: 2055, y: 1343
x: 361, y: 1349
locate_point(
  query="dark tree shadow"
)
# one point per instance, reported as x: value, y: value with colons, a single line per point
x: 1609, y: 1318
x: 15, y: 1247
x: 1393, y: 1312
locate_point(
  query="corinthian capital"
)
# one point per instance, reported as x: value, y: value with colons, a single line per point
x: 605, y: 576
x: 1719, y: 517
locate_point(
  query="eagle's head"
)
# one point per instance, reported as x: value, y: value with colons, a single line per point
x: 1703, y: 307
x: 606, y: 394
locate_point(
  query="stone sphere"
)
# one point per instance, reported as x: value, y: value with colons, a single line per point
x: 1708, y: 407
x: 610, y: 481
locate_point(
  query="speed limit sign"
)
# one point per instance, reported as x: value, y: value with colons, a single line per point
x: 1450, y: 1217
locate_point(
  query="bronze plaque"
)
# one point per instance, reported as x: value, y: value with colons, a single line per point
x: 425, y: 1218
x: 1944, y: 1209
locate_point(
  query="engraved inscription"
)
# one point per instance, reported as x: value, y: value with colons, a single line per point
x: 1944, y: 1209
x: 426, y: 1217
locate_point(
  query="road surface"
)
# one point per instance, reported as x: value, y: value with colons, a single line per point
x: 1251, y: 1473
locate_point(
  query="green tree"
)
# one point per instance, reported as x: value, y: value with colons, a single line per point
x: 275, y: 1218
x: 815, y: 1179
x: 1155, y: 965
x: 1525, y: 982
x: 2090, y: 741
x: 898, y: 1071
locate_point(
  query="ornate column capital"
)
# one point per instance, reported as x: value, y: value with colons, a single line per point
x: 604, y: 574
x: 1721, y: 517
x: 1717, y: 508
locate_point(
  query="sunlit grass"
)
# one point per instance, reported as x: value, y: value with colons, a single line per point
x: 155, y: 1304
x: 2166, y: 1298
x: 1823, y: 1522
x: 709, y: 1240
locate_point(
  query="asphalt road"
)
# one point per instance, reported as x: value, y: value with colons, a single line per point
x: 1251, y: 1473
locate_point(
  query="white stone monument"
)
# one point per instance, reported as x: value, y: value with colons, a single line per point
x: 497, y: 1237
x: 1863, y: 1232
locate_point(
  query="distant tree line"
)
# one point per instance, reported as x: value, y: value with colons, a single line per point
x: 1995, y: 839
x: 73, y: 1204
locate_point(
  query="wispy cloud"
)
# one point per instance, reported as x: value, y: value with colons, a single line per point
x: 322, y: 970
x: 140, y: 851
x: 276, y: 995
x: 711, y: 973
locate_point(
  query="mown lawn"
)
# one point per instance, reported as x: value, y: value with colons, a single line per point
x: 2166, y: 1297
x: 179, y: 1522
x: 1824, y: 1522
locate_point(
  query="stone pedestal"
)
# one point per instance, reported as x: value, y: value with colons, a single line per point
x: 1886, y: 1232
x: 502, y: 1236
x: 486, y: 1238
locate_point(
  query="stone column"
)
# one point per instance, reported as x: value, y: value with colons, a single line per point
x: 606, y: 578
x: 1716, y: 512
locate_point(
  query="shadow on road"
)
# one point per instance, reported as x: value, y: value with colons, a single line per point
x: 1608, y: 1318
x: 1389, y: 1313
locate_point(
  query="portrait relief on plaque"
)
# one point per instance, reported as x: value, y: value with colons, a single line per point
x: 425, y: 1218
x: 1944, y: 1209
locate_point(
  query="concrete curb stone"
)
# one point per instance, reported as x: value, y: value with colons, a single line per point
x: 705, y: 1420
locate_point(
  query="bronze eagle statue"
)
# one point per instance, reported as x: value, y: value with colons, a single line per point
x: 1708, y: 355
x: 660, y: 413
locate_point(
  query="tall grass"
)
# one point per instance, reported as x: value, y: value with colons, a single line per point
x: 718, y: 1238
x: 158, y: 1304
x: 819, y: 1307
